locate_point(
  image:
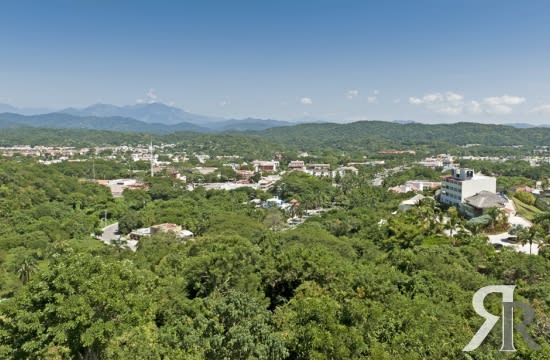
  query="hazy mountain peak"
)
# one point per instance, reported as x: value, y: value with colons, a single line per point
x: 155, y: 112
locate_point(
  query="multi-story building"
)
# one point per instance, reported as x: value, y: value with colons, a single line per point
x: 267, y: 166
x: 318, y: 169
x: 463, y: 183
x: 296, y: 165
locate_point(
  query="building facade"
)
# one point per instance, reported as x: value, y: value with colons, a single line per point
x: 463, y: 183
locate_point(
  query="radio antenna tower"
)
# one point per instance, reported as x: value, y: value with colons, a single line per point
x: 152, y: 158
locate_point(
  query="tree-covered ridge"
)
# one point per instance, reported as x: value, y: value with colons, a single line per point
x: 356, y: 136
x: 374, y: 135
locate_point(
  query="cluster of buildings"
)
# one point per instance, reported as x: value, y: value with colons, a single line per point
x: 471, y: 193
x: 118, y: 186
x: 416, y: 186
x: 444, y: 161
x: 397, y: 152
x: 265, y: 183
x: 43, y: 151
x: 56, y: 154
x: 265, y: 166
x: 321, y: 170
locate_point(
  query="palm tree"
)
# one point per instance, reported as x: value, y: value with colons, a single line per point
x: 496, y: 215
x: 529, y: 236
x: 452, y: 221
x: 475, y: 228
x: 26, y: 269
x: 544, y: 243
x: 536, y: 235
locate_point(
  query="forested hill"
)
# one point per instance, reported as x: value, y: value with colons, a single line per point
x: 111, y: 123
x: 380, y: 133
x: 362, y: 135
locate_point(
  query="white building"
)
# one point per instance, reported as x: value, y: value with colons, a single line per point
x: 342, y: 170
x: 463, y: 183
x: 412, y: 202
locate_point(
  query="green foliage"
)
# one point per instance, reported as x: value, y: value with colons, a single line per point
x: 526, y: 210
x: 525, y: 197
x: 359, y: 281
x: 311, y: 191
x: 94, y: 302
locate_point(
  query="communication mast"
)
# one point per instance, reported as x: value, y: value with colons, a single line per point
x: 152, y: 158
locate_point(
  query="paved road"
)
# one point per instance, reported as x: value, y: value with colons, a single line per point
x: 110, y: 234
x: 526, y: 249
x: 515, y: 219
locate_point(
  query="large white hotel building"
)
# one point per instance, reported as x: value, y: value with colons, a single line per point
x: 463, y: 183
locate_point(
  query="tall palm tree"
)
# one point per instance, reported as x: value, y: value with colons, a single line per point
x: 453, y: 221
x: 26, y: 269
x: 529, y: 236
x: 536, y: 235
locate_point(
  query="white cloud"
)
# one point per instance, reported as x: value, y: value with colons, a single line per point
x: 306, y: 101
x: 500, y: 105
x: 499, y: 109
x: 150, y: 97
x: 225, y: 103
x: 541, y: 109
x: 396, y: 101
x: 450, y: 110
x: 372, y: 99
x: 376, y: 92
x: 352, y: 94
x: 453, y: 98
x: 504, y: 100
x: 415, y: 101
x: 474, y: 107
x: 451, y: 103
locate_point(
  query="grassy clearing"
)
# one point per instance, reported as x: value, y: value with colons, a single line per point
x: 525, y: 210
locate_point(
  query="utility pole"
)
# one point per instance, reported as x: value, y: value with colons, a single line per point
x: 93, y: 167
x: 152, y: 159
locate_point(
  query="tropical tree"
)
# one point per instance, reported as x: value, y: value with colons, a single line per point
x: 453, y: 221
x: 529, y: 236
x: 25, y: 269
x: 496, y: 216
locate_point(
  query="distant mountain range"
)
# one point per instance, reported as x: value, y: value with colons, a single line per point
x: 154, y: 113
x: 158, y: 113
x: 4, y: 108
x: 151, y: 118
x: 113, y: 123
x: 527, y: 126
x: 126, y: 124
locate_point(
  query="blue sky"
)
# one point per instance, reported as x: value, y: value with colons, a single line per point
x: 342, y: 60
